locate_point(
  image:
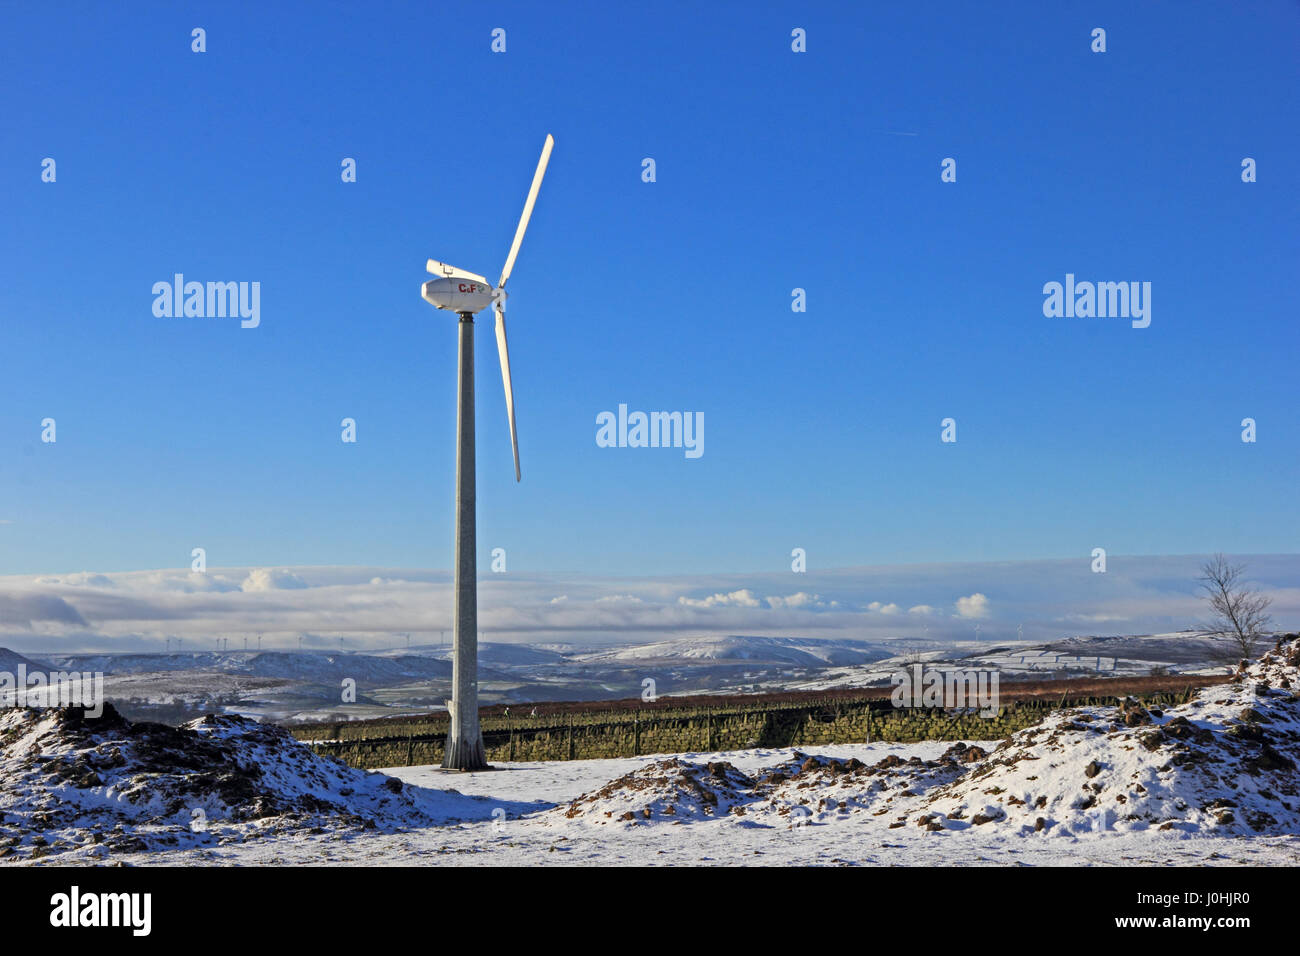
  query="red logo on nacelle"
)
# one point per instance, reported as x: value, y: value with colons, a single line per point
x: 471, y: 288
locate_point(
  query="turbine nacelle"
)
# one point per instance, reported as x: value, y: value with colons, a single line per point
x: 458, y: 294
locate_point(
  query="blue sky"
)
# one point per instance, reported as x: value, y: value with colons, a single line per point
x: 775, y: 170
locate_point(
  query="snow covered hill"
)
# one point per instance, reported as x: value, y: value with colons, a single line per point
x: 495, y: 654
x: 11, y: 660
x: 792, y: 651
x: 305, y: 685
x: 1183, y: 652
x: 297, y: 665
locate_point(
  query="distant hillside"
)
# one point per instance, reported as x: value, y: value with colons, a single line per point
x: 787, y: 651
x: 9, y: 661
x: 295, y: 665
x: 311, y: 684
x: 1182, y: 647
x: 495, y: 654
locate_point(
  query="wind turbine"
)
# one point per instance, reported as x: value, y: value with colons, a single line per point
x: 467, y: 294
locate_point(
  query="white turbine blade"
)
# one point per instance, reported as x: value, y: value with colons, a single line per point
x: 528, y: 210
x: 452, y: 272
x: 505, y: 378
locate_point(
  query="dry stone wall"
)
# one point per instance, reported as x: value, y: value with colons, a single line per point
x: 585, y: 736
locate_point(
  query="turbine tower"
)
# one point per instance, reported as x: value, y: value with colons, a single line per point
x: 467, y: 294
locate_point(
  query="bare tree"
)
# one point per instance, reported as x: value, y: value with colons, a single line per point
x: 1238, y: 614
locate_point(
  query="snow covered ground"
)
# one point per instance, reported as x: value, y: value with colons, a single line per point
x: 1212, y: 781
x: 548, y: 837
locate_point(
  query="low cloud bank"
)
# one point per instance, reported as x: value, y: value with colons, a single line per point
x: 370, y: 607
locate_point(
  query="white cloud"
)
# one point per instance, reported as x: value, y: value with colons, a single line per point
x: 974, y: 606
x: 799, y: 599
x: 83, y: 580
x: 272, y: 579
x: 742, y: 598
x: 190, y: 582
x: 921, y: 609
x: 619, y: 599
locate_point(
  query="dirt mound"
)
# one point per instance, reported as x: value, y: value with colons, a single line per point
x: 814, y: 789
x: 69, y: 782
x: 674, y: 790
x: 800, y: 789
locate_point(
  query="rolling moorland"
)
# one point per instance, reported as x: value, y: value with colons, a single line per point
x: 290, y: 686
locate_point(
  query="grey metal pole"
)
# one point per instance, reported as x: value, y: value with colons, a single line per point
x: 464, y: 750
